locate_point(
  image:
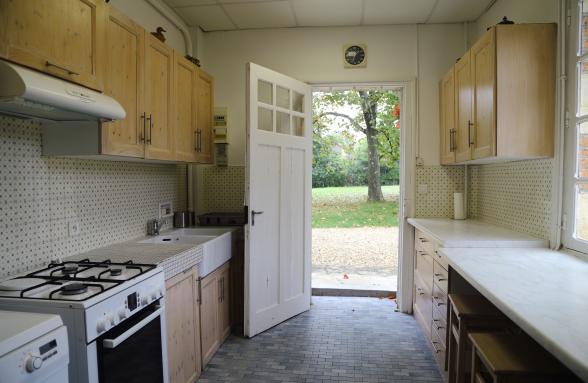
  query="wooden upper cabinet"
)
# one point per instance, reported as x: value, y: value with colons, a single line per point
x: 186, y: 109
x: 159, y: 83
x: 483, y: 56
x: 447, y: 118
x: 125, y: 55
x: 204, y: 143
x: 463, y: 108
x: 64, y: 38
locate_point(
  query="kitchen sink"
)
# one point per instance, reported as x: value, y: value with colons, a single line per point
x: 175, y: 239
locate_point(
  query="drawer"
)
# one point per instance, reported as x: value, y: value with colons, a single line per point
x: 440, y: 276
x: 424, y: 242
x: 424, y: 267
x: 440, y: 323
x: 438, y: 349
x: 439, y: 297
x: 437, y: 256
x: 423, y: 301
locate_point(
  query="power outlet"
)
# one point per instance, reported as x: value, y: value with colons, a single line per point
x: 73, y: 228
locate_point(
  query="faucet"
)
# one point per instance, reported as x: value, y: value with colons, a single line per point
x: 153, y: 226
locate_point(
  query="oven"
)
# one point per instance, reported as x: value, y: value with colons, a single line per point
x: 135, y: 350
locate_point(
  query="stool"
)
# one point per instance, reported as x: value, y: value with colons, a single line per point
x: 468, y: 313
x: 509, y: 358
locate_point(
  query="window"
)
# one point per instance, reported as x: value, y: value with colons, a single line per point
x: 576, y: 136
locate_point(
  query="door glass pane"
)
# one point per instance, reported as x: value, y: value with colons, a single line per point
x: 298, y: 123
x: 583, y: 41
x: 582, y: 155
x: 282, y: 122
x: 265, y: 119
x: 283, y: 97
x: 298, y: 102
x: 265, y: 92
x: 583, y: 88
x: 582, y: 211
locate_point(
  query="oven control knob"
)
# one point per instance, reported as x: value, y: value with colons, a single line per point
x: 33, y: 363
x: 145, y: 300
x: 123, y: 313
x: 112, y: 319
x: 154, y: 294
x: 102, y: 325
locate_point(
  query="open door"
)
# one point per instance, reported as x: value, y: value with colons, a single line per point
x: 278, y: 187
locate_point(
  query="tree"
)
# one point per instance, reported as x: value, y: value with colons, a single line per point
x: 370, y: 112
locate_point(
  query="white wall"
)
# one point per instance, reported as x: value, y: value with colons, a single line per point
x: 519, y: 11
x: 314, y: 55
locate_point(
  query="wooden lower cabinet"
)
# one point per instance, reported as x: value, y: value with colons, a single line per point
x: 183, y: 327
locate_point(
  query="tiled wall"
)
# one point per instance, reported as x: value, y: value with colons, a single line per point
x: 516, y: 195
x: 440, y: 183
x: 39, y: 196
x: 220, y: 189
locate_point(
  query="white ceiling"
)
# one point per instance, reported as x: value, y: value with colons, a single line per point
x: 219, y: 15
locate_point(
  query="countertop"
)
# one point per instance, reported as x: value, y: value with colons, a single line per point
x: 472, y: 233
x: 544, y: 292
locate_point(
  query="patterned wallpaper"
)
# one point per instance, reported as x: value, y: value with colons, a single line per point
x: 516, y: 195
x: 440, y: 182
x: 39, y: 196
x: 220, y: 189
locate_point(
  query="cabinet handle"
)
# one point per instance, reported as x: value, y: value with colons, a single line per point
x: 196, y: 140
x: 436, y: 325
x: 436, y: 350
x: 470, y: 126
x: 69, y: 71
x: 199, y: 140
x: 420, y: 291
x: 150, y: 140
x: 144, y: 118
x: 437, y: 302
x: 219, y: 291
x: 423, y: 240
x: 199, y: 300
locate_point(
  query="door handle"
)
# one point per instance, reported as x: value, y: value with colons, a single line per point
x: 253, y: 214
x: 144, y: 118
x: 470, y: 126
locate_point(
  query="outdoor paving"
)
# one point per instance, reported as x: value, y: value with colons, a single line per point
x: 340, y: 339
x: 355, y: 258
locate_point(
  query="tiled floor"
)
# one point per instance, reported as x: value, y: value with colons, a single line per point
x: 339, y: 340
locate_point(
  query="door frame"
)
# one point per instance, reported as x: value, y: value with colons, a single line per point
x: 408, y: 145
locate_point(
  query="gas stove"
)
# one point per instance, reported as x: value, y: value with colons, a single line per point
x: 110, y: 309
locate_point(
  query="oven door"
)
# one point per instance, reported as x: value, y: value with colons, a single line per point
x: 135, y: 350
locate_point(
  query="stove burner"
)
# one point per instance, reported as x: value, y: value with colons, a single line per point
x: 69, y: 269
x: 74, y: 289
x: 115, y: 272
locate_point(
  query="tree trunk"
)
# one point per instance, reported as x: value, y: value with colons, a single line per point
x: 369, y: 109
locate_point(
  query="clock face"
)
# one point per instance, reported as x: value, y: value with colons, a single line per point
x: 354, y: 55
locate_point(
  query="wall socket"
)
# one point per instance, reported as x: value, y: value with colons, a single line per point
x: 73, y: 227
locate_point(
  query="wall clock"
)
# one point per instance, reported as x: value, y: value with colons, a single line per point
x: 355, y: 55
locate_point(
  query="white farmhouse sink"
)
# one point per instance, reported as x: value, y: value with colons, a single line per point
x: 179, y: 239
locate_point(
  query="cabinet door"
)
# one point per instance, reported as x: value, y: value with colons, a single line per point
x: 181, y: 336
x: 197, y: 345
x: 186, y: 109
x: 209, y: 317
x: 484, y: 84
x: 158, y: 99
x: 125, y: 42
x: 463, y: 108
x: 62, y: 37
x: 205, y: 106
x: 447, y: 118
x: 224, y: 312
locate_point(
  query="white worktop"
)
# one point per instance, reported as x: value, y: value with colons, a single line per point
x: 472, y: 233
x: 544, y: 292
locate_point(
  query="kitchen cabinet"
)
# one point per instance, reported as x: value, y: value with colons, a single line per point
x: 64, y: 38
x: 215, y: 310
x: 186, y: 109
x: 447, y: 118
x: 125, y: 42
x: 205, y: 86
x: 183, y: 327
x: 504, y: 97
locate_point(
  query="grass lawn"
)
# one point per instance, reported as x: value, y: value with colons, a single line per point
x: 348, y: 207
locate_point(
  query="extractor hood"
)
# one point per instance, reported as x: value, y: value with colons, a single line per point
x: 34, y: 95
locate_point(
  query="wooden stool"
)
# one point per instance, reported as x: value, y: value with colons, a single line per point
x: 509, y: 358
x: 468, y: 313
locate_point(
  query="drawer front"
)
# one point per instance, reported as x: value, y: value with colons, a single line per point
x: 439, y: 298
x: 424, y: 267
x: 440, y: 276
x: 437, y: 256
x: 440, y: 323
x: 438, y: 349
x: 423, y: 242
x: 423, y: 301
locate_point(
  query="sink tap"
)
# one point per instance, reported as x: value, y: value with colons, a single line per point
x: 153, y: 226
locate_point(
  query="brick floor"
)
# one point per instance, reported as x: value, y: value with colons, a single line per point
x: 340, y: 339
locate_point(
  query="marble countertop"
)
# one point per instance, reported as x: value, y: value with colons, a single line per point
x: 472, y: 233
x: 544, y: 292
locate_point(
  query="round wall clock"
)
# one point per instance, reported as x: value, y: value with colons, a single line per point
x: 355, y: 55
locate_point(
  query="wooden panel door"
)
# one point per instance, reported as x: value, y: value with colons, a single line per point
x: 62, y: 37
x: 463, y: 108
x: 125, y: 56
x: 205, y: 88
x: 197, y: 346
x: 224, y: 312
x: 186, y: 109
x: 159, y: 82
x: 447, y: 118
x: 209, y: 339
x: 181, y: 335
x: 483, y: 56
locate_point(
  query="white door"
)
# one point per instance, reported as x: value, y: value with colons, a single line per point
x: 278, y: 193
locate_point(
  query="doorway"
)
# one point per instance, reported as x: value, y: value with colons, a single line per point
x: 356, y: 189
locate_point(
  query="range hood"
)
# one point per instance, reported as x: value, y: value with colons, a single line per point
x: 28, y: 94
